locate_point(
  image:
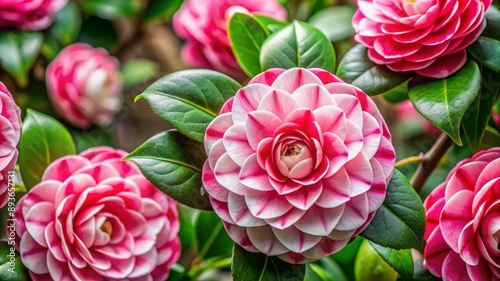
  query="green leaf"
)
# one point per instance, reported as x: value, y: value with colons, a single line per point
x: 491, y: 138
x: 43, y: 140
x: 271, y: 24
x: 398, y: 94
x: 298, y: 45
x: 190, y: 99
x: 346, y: 256
x: 316, y: 273
x: 186, y: 231
x: 478, y: 114
x: 111, y: 9
x: 11, y: 266
x: 335, y: 22
x: 421, y: 274
x: 138, y: 71
x: 444, y: 102
x: 356, y: 68
x: 249, y: 266
x: 325, y: 269
x: 400, y: 260
x: 485, y: 51
x: 98, y: 32
x: 211, y: 237
x: 67, y: 24
x: 173, y: 163
x: 246, y: 36
x: 492, y: 29
x: 400, y: 222
x: 19, y: 52
x: 96, y: 136
x: 159, y: 10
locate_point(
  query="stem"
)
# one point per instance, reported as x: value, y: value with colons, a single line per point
x: 430, y: 161
x: 410, y: 160
x: 197, y: 270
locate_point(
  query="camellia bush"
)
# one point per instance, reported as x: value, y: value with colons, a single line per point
x: 250, y: 140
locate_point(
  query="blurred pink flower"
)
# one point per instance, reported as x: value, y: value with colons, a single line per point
x: 298, y: 163
x: 407, y: 114
x: 425, y: 36
x: 463, y: 221
x: 28, y: 14
x: 204, y: 26
x: 95, y: 217
x: 84, y: 85
x: 10, y: 132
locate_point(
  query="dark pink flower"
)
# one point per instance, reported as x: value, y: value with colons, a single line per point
x: 463, y: 221
x: 95, y: 217
x: 298, y: 163
x: 10, y: 132
x: 28, y: 14
x: 425, y: 36
x: 84, y: 85
x: 204, y: 25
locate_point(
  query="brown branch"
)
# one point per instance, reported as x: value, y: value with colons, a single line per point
x: 430, y: 161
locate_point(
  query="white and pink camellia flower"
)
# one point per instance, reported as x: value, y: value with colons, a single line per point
x: 28, y: 14
x: 463, y: 221
x: 204, y: 25
x: 298, y: 163
x: 85, y: 85
x: 10, y: 131
x: 96, y: 217
x: 425, y: 36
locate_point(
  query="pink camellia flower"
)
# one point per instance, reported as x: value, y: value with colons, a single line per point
x: 204, y: 25
x: 425, y: 36
x: 298, y: 163
x: 28, y: 14
x: 95, y: 217
x: 463, y: 221
x: 84, y: 85
x: 10, y: 128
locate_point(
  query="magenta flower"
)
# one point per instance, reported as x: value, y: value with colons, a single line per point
x: 463, y: 221
x: 298, y: 163
x: 10, y: 132
x: 28, y: 14
x: 95, y: 217
x: 84, y: 85
x: 204, y: 25
x: 425, y: 36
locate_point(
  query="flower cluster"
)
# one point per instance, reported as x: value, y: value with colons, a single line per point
x: 298, y: 163
x: 95, y: 217
x: 463, y: 221
x: 85, y: 85
x: 428, y: 37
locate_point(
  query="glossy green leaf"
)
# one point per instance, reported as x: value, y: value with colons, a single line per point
x: 43, y: 140
x: 444, y: 102
x: 173, y: 163
x: 397, y: 94
x: 485, y: 51
x: 190, y: 99
x: 298, y: 45
x: 98, y: 33
x: 246, y: 36
x: 356, y: 68
x: 67, y: 24
x: 249, y: 266
x: 400, y: 222
x: 211, y: 237
x: 335, y: 22
x: 11, y: 266
x: 111, y: 9
x: 159, y: 10
x: 316, y: 273
x: 325, y: 269
x: 19, y: 51
x: 492, y: 16
x: 138, y: 71
x: 271, y: 24
x: 478, y: 114
x: 400, y: 260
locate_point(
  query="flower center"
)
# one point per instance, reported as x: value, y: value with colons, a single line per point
x: 291, y: 150
x: 107, y: 227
